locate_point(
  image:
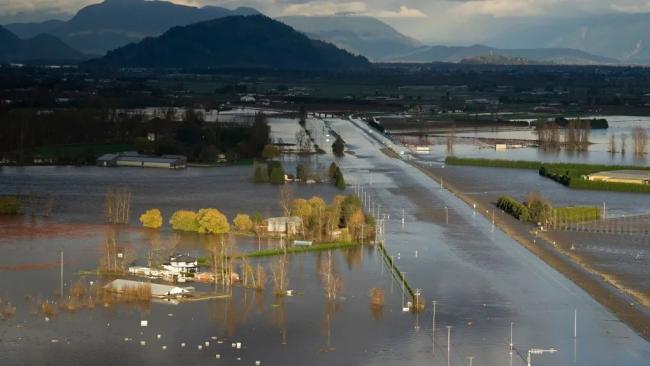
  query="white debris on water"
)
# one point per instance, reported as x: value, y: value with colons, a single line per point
x: 164, y: 348
x: 183, y: 345
x: 199, y: 347
x: 143, y: 343
x: 144, y: 323
x: 158, y: 336
x: 207, y: 344
x: 238, y: 345
x: 217, y: 356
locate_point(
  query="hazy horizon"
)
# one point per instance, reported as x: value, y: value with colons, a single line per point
x: 432, y: 22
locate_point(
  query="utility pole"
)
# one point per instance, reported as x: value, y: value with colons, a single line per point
x: 447, y: 215
x: 402, y: 218
x: 511, y: 343
x: 433, y: 327
x: 575, y: 323
x: 449, y: 345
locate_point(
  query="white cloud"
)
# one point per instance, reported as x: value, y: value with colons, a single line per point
x: 325, y: 8
x: 313, y: 8
x: 403, y: 12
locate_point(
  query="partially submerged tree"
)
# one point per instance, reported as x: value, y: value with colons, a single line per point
x: 184, y: 220
x: 338, y: 147
x: 243, y: 223
x: 640, y: 138
x: 212, y: 221
x: 152, y: 219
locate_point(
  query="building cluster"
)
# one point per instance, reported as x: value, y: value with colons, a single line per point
x: 134, y: 159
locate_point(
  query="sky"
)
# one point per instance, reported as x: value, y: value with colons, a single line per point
x: 442, y: 21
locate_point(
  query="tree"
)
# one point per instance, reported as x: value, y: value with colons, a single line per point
x: 339, y: 181
x: 208, y: 154
x: 151, y: 219
x: 318, y: 207
x: 260, y: 132
x: 338, y: 147
x: 332, y: 171
x: 243, y: 223
x: 356, y: 220
x: 276, y: 175
x: 212, y: 221
x: 300, y: 207
x: 184, y: 220
x: 270, y: 152
x: 301, y: 172
x: 539, y: 209
x: 260, y: 174
x: 9, y: 205
x: 302, y: 119
x: 640, y: 138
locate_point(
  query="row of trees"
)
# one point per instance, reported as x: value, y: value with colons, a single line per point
x: 26, y: 133
x: 639, y: 138
x: 574, y: 137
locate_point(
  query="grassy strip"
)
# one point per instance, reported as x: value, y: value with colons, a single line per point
x: 204, y: 261
x: 567, y: 174
x: 577, y: 213
x: 493, y: 163
x: 394, y: 270
x: 296, y: 250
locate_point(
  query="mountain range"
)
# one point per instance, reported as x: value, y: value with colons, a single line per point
x: 254, y: 41
x: 101, y: 27
x: 361, y: 35
x: 41, y: 48
x: 562, y: 56
x: 621, y: 36
x: 611, y: 39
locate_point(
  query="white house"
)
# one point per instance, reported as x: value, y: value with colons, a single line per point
x: 182, y: 264
x: 283, y: 225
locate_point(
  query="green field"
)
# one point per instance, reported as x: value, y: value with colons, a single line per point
x: 567, y: 174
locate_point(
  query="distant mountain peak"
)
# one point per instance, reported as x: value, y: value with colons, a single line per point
x: 254, y: 41
x: 106, y: 25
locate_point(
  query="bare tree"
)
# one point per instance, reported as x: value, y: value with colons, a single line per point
x: 117, y: 205
x: 612, y: 144
x: 286, y: 198
x: 451, y: 139
x: 640, y: 137
x: 623, y: 143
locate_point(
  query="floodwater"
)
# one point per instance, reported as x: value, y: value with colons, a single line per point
x: 598, y: 153
x: 481, y: 279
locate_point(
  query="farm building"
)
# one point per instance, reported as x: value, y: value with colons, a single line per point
x: 133, y: 159
x: 157, y: 290
x: 283, y: 225
x: 621, y: 176
x: 181, y: 264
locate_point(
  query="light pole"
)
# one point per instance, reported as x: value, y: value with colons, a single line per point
x: 538, y: 351
x: 449, y: 345
x: 433, y: 327
x: 471, y: 358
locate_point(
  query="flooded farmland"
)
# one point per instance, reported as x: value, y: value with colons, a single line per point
x: 481, y: 279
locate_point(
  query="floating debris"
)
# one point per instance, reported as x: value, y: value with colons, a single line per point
x: 199, y: 347
x: 217, y: 356
x: 238, y: 345
x: 258, y: 363
x: 143, y: 343
x: 158, y: 336
x: 144, y: 323
x: 207, y: 344
x: 164, y: 348
x: 183, y: 345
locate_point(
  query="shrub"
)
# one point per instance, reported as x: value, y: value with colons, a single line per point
x: 9, y: 205
x: 276, y: 172
x: 243, y: 222
x: 212, y: 221
x: 151, y: 219
x: 270, y: 152
x: 514, y: 208
x: 184, y: 220
x: 338, y: 147
x: 339, y: 180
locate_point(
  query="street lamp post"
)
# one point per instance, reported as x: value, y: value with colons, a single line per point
x: 538, y: 351
x: 449, y: 345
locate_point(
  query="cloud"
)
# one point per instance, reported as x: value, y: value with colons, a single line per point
x: 325, y: 8
x: 314, y: 8
x: 403, y: 12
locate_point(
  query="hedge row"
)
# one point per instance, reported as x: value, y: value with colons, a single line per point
x: 514, y: 208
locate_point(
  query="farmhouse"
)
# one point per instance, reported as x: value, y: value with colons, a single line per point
x: 133, y: 159
x: 622, y: 176
x: 283, y: 225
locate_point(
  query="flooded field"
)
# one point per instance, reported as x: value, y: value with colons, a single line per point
x: 598, y: 152
x: 481, y: 279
